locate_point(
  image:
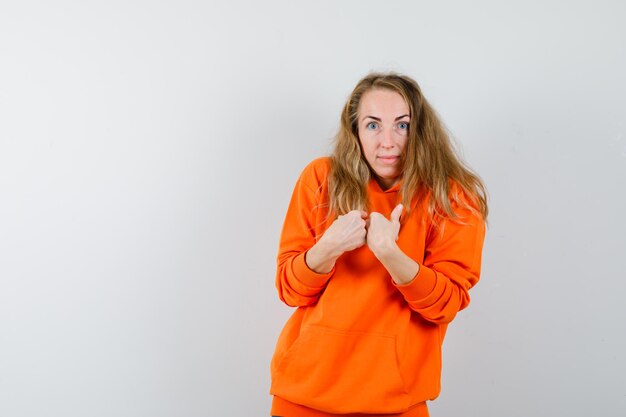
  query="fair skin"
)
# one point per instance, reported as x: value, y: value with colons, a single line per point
x: 383, y: 124
x: 383, y: 127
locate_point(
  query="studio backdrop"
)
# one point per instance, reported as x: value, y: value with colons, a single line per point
x: 148, y: 151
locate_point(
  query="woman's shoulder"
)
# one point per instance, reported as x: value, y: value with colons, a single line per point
x: 463, y: 201
x: 317, y: 171
x: 321, y: 164
x: 458, y: 193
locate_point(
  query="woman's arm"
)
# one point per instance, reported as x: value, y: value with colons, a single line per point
x: 381, y: 239
x: 305, y: 264
x: 438, y: 288
x: 400, y: 266
x: 298, y: 284
x: 346, y: 233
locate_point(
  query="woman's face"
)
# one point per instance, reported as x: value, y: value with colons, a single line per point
x: 383, y: 129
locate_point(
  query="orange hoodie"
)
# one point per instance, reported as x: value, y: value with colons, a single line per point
x: 359, y: 343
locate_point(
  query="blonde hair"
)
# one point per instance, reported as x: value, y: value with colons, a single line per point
x: 431, y: 167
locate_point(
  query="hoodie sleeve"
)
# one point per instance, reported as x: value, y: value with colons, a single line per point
x: 451, y: 266
x: 297, y: 284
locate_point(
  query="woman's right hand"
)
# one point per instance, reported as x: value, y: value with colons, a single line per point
x: 346, y: 233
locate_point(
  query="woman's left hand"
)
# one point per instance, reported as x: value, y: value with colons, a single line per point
x: 382, y: 233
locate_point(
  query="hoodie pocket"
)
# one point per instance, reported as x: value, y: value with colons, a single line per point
x: 342, y: 372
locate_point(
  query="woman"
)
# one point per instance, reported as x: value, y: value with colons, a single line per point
x: 380, y: 245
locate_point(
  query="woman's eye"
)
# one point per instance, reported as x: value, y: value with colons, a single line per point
x: 403, y: 125
x: 372, y: 125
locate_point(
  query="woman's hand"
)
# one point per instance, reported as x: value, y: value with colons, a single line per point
x: 382, y: 233
x: 346, y: 233
x: 381, y: 239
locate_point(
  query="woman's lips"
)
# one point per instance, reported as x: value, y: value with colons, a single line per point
x: 388, y: 160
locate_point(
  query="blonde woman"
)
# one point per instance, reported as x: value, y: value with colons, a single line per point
x: 380, y: 245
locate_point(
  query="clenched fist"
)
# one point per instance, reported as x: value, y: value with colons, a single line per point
x: 346, y: 233
x: 382, y: 233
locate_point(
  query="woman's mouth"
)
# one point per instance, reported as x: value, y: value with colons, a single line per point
x: 388, y: 160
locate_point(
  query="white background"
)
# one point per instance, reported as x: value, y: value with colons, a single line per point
x: 148, y: 151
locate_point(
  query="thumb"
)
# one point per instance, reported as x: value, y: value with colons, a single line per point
x: 396, y: 213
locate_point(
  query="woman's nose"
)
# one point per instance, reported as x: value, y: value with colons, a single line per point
x: 387, y: 138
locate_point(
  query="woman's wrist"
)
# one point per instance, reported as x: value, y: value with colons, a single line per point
x: 320, y: 258
x: 387, y: 250
x: 400, y: 266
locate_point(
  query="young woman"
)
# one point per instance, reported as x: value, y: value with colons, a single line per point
x: 380, y: 245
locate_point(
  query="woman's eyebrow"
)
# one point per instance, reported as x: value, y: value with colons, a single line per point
x: 378, y: 119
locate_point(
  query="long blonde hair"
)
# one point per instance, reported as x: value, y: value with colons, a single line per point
x: 431, y: 167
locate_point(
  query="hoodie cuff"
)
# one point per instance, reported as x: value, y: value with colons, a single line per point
x: 420, y: 287
x: 307, y: 276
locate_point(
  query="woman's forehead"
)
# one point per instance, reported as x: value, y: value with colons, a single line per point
x: 382, y: 102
